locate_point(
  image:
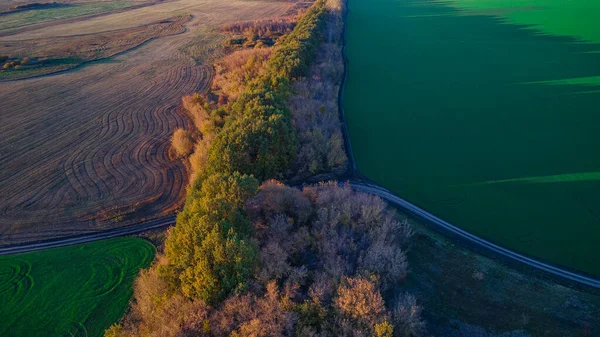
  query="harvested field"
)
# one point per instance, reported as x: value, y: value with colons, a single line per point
x: 25, y: 14
x: 66, y: 52
x: 86, y: 148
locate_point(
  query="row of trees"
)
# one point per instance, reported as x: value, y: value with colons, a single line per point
x: 208, y: 252
x: 258, y: 34
x: 259, y: 138
x: 244, y: 260
x: 314, y: 106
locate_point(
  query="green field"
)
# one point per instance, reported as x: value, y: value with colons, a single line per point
x: 72, y: 291
x: 485, y: 113
x: 28, y: 17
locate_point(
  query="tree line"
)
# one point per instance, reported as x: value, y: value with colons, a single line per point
x: 246, y: 259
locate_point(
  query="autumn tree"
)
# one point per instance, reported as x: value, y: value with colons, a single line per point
x: 182, y: 142
x: 208, y: 250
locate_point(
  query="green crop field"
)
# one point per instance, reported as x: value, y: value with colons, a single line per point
x: 71, y: 291
x: 485, y: 113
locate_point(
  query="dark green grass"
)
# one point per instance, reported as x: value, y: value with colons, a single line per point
x: 457, y: 287
x: 491, y: 125
x: 71, y: 291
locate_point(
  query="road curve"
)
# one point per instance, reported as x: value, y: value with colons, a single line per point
x: 74, y: 240
x: 415, y: 210
x: 358, y: 186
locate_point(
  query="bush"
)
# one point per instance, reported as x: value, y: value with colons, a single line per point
x: 182, y: 142
x: 360, y: 300
x: 158, y: 313
x: 208, y: 118
x: 407, y: 317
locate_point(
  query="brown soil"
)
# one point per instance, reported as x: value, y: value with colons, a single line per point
x: 72, y: 51
x: 83, y: 148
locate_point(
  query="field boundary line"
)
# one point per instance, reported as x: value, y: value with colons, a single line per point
x: 351, y: 172
x: 84, y: 238
x: 87, y: 63
x: 474, y: 239
x: 45, y: 24
x: 359, y: 186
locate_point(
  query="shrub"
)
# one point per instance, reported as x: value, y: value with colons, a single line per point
x: 384, y: 329
x: 156, y: 312
x: 208, y: 118
x: 115, y: 330
x: 182, y: 142
x: 359, y: 299
x: 407, y: 317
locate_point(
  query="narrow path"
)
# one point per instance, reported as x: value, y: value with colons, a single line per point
x: 75, y: 240
x: 473, y: 239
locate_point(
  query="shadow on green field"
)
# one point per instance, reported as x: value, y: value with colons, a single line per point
x: 439, y: 101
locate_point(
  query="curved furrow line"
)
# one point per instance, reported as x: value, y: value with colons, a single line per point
x: 38, y: 201
x: 75, y: 181
x: 81, y: 158
x: 136, y: 166
x: 36, y: 190
x: 88, y: 157
x: 96, y: 172
x: 111, y: 165
x: 77, y: 177
x: 34, y: 150
x: 111, y: 109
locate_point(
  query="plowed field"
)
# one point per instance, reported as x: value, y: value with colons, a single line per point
x: 88, y: 149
